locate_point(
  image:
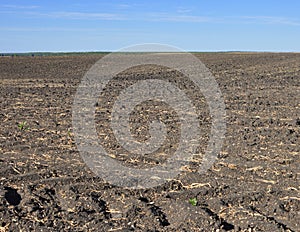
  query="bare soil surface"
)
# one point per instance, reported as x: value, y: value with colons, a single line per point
x: 254, y: 185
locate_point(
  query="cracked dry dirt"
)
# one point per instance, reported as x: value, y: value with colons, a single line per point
x: 253, y: 185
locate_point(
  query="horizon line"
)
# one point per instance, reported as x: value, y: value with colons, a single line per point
x: 111, y: 51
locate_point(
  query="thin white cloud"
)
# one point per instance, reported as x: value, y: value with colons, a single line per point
x: 271, y: 20
x: 123, y: 6
x: 40, y: 29
x: 19, y: 6
x: 183, y: 10
x: 225, y: 20
x: 72, y: 29
x: 154, y: 17
x: 78, y: 15
x: 177, y: 18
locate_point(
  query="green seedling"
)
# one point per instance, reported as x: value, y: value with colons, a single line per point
x: 69, y: 133
x: 193, y: 201
x: 23, y: 126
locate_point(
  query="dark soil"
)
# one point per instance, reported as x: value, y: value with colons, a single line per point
x: 254, y: 185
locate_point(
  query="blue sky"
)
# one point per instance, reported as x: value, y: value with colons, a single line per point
x: 195, y: 25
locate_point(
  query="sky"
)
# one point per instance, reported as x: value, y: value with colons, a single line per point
x: 191, y: 25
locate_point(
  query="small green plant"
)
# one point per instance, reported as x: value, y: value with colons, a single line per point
x: 23, y: 126
x: 69, y: 133
x: 193, y: 201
